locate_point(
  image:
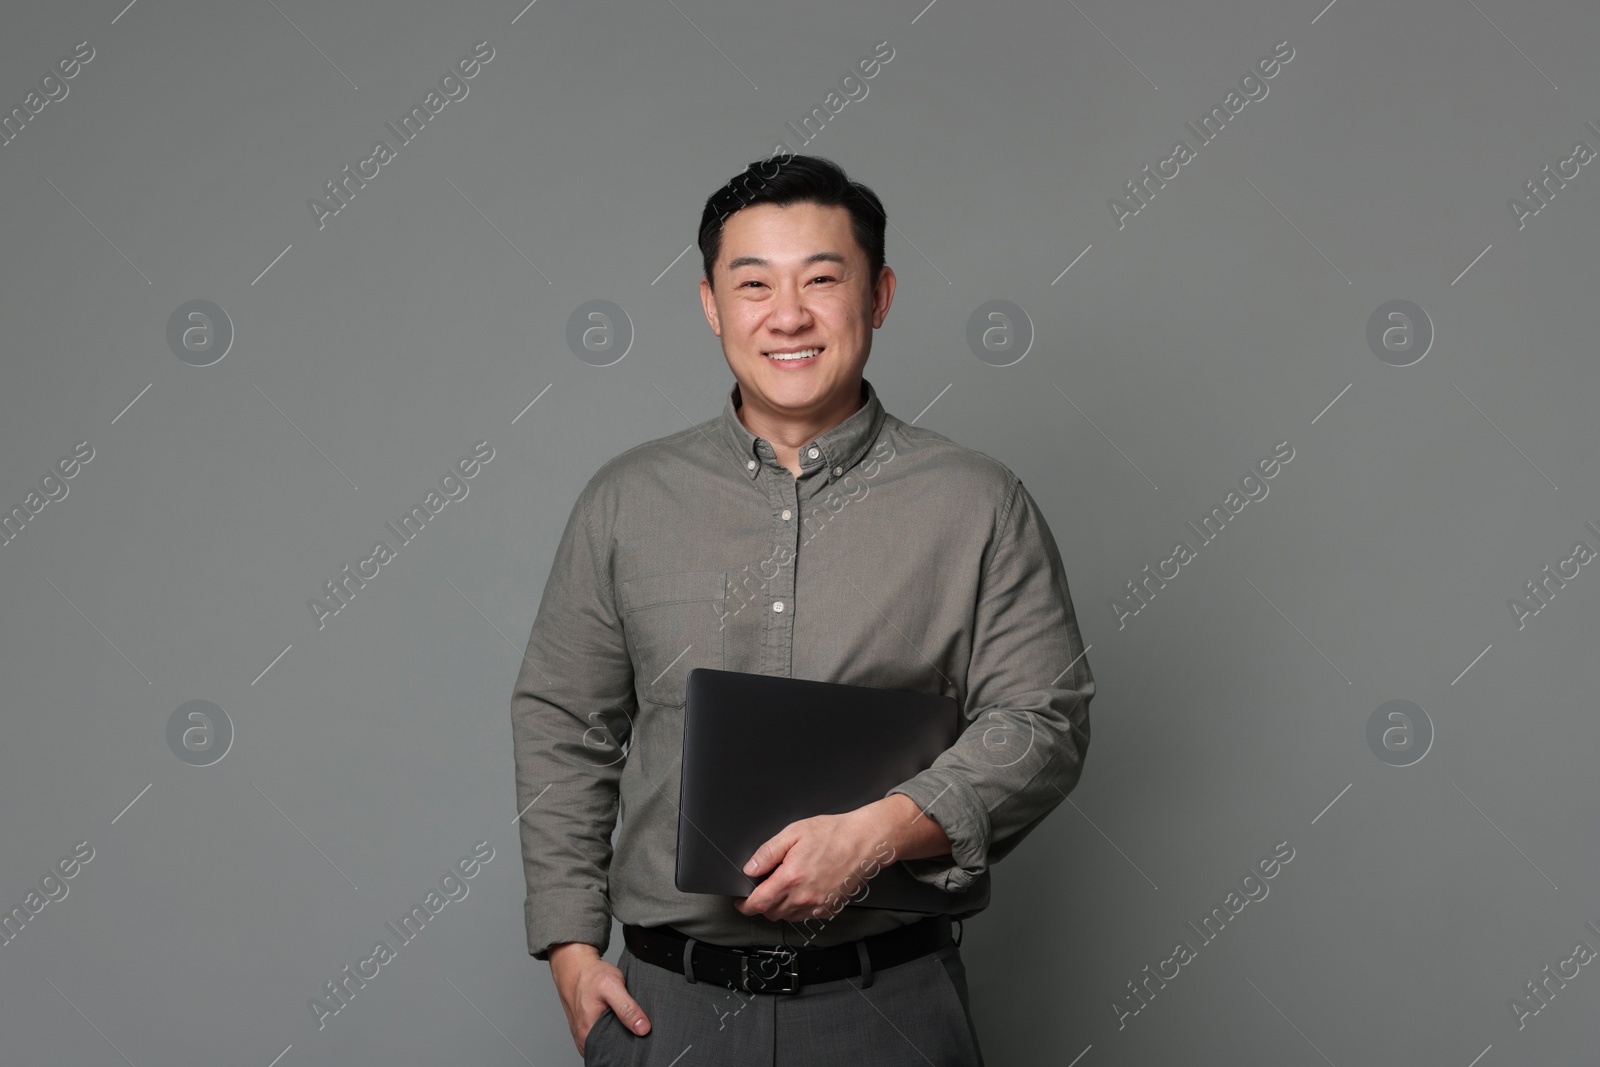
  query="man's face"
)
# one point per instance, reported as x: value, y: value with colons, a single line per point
x: 790, y: 279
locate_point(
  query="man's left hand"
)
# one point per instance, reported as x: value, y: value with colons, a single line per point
x: 817, y: 862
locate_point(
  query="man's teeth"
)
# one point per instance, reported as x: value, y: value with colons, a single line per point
x: 794, y: 355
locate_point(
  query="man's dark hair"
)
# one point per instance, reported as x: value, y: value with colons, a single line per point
x: 788, y: 179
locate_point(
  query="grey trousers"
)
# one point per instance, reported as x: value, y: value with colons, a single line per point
x: 914, y: 1014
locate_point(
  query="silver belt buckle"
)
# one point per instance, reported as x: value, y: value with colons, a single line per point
x: 774, y: 963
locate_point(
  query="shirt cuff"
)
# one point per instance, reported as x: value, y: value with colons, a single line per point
x: 947, y: 798
x: 562, y: 915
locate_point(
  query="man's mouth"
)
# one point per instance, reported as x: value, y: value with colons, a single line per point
x: 794, y: 355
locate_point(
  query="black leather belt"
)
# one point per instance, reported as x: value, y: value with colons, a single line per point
x: 784, y: 968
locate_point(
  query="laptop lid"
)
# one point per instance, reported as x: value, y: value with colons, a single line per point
x: 760, y: 752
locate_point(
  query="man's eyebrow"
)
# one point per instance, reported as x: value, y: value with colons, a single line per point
x: 757, y: 261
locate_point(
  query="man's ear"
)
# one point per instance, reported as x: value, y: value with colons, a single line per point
x: 883, y: 295
x: 708, y: 303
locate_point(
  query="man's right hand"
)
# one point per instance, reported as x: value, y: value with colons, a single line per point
x: 588, y: 985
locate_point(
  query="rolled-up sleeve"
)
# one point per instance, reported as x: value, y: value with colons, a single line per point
x: 571, y: 714
x: 1028, y: 689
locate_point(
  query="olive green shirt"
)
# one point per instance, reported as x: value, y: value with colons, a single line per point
x: 898, y: 559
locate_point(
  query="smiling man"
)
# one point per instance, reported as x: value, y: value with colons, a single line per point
x: 940, y: 576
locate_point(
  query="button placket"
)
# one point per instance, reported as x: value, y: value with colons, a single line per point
x: 778, y: 629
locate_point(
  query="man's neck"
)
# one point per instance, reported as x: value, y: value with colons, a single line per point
x: 787, y: 436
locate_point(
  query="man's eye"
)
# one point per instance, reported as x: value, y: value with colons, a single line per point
x: 818, y: 278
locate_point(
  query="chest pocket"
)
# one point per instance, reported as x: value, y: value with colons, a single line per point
x: 673, y: 624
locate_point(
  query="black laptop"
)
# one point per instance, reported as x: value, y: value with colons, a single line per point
x: 760, y: 752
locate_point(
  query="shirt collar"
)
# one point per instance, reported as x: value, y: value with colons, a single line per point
x: 837, y: 449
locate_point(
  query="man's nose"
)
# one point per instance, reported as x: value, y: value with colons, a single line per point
x: 789, y: 309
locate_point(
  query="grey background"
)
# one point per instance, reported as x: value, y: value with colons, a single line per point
x: 1228, y: 315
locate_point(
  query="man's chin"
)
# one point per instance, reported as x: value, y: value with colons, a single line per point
x: 793, y: 388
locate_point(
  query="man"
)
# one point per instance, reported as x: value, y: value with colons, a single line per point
x: 804, y: 532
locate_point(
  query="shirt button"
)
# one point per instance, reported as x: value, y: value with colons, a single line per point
x: 750, y: 464
x: 838, y: 471
x: 777, y: 605
x: 785, y: 514
x: 813, y: 453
